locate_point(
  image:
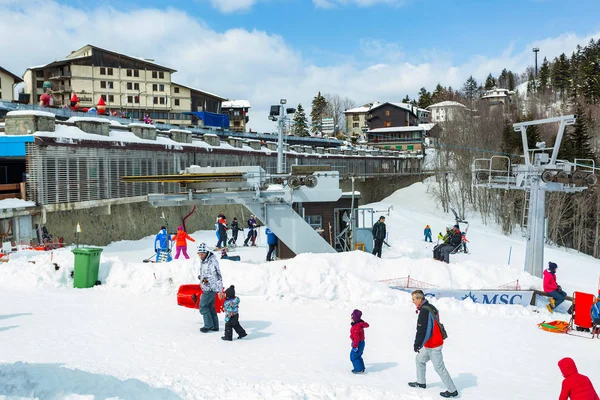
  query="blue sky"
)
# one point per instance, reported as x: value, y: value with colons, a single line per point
x: 459, y: 28
x: 264, y: 50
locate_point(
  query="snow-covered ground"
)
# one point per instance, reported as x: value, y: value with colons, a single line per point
x: 128, y: 339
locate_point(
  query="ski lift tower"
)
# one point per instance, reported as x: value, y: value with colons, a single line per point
x: 541, y: 173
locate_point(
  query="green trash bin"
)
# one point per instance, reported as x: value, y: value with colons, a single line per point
x: 87, y: 262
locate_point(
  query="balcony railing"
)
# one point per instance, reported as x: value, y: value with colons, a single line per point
x: 61, y: 88
x: 60, y: 75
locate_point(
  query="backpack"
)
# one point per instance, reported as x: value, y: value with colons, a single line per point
x: 436, y: 317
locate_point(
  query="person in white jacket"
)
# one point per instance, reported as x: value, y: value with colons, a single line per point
x: 211, y: 283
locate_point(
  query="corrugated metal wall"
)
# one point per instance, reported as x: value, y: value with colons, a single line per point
x: 68, y: 174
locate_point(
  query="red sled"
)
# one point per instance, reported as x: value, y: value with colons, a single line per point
x: 189, y: 296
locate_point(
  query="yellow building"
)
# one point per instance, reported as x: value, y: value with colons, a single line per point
x: 8, y: 80
x: 128, y: 85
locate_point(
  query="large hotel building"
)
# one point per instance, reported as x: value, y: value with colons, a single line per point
x: 127, y: 84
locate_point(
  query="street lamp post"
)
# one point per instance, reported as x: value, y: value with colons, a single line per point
x: 280, y: 169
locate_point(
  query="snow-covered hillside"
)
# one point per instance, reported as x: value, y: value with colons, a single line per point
x: 128, y: 339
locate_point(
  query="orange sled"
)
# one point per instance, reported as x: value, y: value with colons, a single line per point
x: 189, y: 296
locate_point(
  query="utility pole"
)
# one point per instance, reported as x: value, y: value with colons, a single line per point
x: 535, y: 50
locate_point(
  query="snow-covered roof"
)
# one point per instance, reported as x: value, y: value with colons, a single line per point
x: 405, y: 106
x: 30, y: 112
x: 15, y: 203
x: 362, y: 109
x: 398, y: 129
x: 427, y: 126
x: 447, y: 104
x: 236, y: 104
x: 141, y: 125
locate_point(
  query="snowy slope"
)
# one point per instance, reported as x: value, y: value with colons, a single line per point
x: 128, y: 339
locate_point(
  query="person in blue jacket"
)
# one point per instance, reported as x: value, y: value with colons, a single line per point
x: 161, y: 243
x: 272, y: 242
x: 427, y: 233
x: 252, y: 231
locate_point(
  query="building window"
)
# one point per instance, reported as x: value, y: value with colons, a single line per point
x: 155, y: 100
x: 176, y: 90
x: 103, y: 84
x: 0, y: 95
x: 154, y: 74
x: 355, y: 125
x: 102, y: 71
x: 137, y: 99
x: 109, y: 71
x: 39, y: 97
x: 129, y: 86
x: 387, y: 124
x: 316, y: 221
x: 103, y: 97
x: 39, y: 74
x: 162, y: 100
x: 355, y: 118
x: 130, y: 99
x: 111, y: 98
x: 154, y: 87
x: 161, y: 88
x: 129, y: 72
x: 39, y: 84
x: 136, y: 86
x: 176, y: 102
x: 110, y: 84
x: 161, y: 75
x: 136, y: 73
x: 387, y: 113
x: 236, y: 123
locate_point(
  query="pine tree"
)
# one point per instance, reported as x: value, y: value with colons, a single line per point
x: 531, y: 83
x: 319, y: 105
x: 544, y: 76
x: 511, y: 81
x: 424, y: 98
x: 578, y: 135
x: 503, y: 79
x: 560, y: 75
x: 439, y: 94
x: 406, y: 100
x: 490, y: 82
x: 300, y: 123
x: 470, y: 88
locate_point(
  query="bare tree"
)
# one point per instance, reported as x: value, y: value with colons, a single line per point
x: 336, y: 105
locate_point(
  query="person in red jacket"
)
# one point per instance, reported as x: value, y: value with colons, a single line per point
x: 181, y: 242
x: 575, y: 386
x: 357, y: 335
x: 428, y: 345
x: 553, y: 289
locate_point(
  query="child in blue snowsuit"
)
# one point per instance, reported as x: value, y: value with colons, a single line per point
x: 427, y: 233
x: 232, y: 315
x: 596, y: 312
x: 161, y: 244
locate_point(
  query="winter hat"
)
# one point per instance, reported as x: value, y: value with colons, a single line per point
x: 356, y: 315
x: 230, y: 292
x: 163, y: 227
x: 552, y: 266
x: 202, y: 248
x: 180, y: 228
x: 381, y: 217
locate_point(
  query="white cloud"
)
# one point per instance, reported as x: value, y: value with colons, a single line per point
x: 360, y: 3
x: 230, y: 6
x: 242, y: 64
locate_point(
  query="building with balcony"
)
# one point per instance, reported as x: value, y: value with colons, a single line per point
x: 400, y: 138
x: 497, y: 96
x: 127, y: 84
x: 8, y: 80
x: 238, y: 114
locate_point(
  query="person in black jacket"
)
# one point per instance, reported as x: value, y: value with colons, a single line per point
x: 379, y: 233
x: 235, y: 228
x: 454, y: 241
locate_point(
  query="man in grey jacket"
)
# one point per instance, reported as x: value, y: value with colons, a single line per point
x: 211, y: 283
